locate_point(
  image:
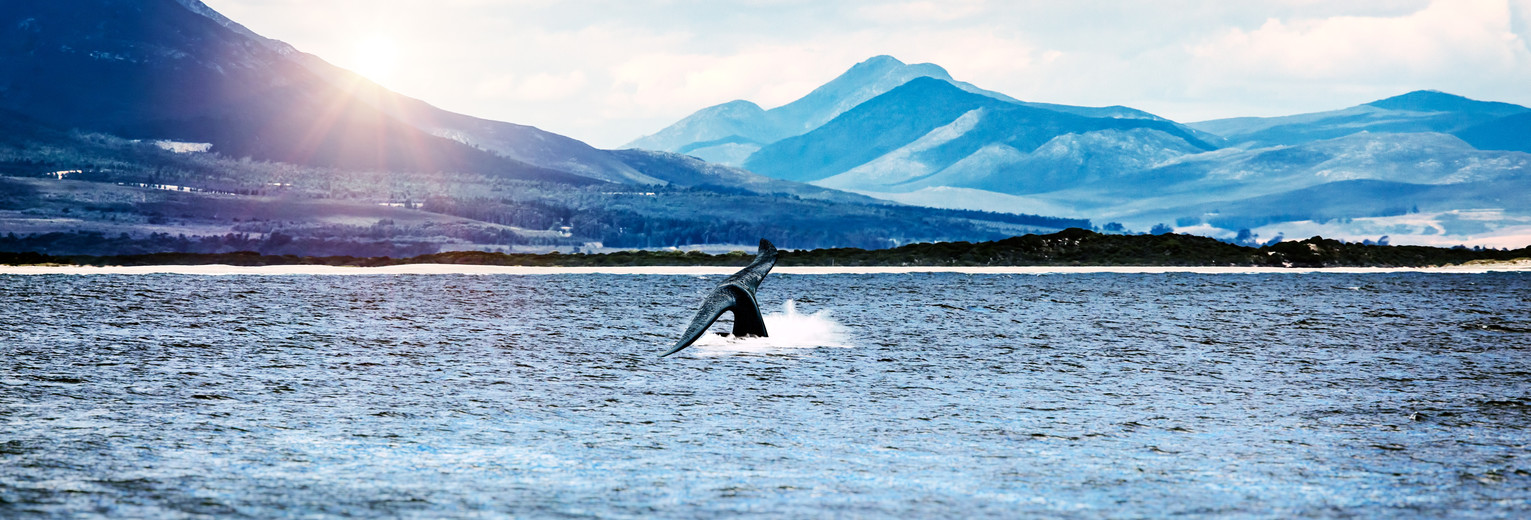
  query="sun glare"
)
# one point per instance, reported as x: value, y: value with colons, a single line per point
x: 375, y: 59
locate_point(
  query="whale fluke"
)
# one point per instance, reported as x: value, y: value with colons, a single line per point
x: 736, y: 294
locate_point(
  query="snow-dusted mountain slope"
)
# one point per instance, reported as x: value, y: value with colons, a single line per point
x: 900, y: 140
x: 744, y: 122
x: 1419, y: 111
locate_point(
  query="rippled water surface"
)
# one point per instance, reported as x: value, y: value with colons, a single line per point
x: 913, y: 395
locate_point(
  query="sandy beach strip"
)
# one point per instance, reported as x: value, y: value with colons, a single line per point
x: 450, y: 269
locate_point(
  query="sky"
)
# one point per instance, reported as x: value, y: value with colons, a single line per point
x: 608, y: 72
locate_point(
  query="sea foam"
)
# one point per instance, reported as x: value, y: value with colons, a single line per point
x: 789, y: 330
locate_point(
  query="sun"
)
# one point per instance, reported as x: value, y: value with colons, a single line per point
x: 375, y: 59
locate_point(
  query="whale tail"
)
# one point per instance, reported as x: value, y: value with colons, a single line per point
x: 736, y: 294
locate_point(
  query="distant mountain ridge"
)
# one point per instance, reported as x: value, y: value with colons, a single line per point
x: 729, y: 132
x: 1418, y: 111
x: 938, y: 125
x: 1429, y: 165
x: 829, y: 131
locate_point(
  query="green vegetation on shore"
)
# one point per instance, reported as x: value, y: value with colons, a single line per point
x: 1068, y: 247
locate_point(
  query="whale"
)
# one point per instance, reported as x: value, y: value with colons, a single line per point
x: 735, y: 294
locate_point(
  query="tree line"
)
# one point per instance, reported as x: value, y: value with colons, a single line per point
x: 1069, y: 247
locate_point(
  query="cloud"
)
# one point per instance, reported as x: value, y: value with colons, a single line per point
x: 543, y: 87
x: 1444, y: 38
x: 662, y: 82
x: 1520, y: 22
x: 538, y: 87
x: 922, y: 11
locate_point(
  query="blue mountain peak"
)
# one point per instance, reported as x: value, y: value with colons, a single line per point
x: 880, y: 60
x: 1437, y: 101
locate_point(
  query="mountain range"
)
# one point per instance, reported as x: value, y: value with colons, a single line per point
x: 1422, y: 167
x: 135, y: 118
x: 163, y: 118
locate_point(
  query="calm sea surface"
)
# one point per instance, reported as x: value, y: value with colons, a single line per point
x: 905, y: 395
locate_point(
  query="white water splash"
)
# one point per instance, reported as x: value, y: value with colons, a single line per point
x: 788, y: 329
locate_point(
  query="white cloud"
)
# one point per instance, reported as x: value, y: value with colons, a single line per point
x: 538, y: 87
x: 1520, y: 22
x: 1438, y: 40
x: 922, y: 11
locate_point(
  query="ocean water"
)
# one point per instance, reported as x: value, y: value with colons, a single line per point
x: 892, y: 395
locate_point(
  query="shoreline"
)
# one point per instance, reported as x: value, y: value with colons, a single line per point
x: 462, y: 269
